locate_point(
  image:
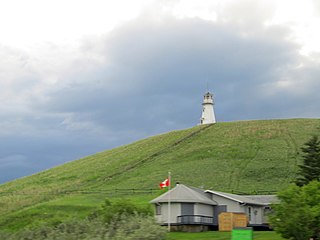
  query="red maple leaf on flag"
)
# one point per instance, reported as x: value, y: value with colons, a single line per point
x: 165, y: 183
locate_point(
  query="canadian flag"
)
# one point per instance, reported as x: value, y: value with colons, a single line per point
x: 165, y: 183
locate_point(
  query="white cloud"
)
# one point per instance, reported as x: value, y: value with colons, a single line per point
x: 303, y: 19
x: 24, y: 23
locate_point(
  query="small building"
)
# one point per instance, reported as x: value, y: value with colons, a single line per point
x: 256, y: 207
x: 194, y: 209
x: 191, y: 209
x: 207, y: 116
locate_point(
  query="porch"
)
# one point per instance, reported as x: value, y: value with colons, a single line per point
x: 195, y: 220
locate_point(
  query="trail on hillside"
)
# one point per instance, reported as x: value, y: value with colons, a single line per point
x: 291, y: 144
x: 235, y: 180
x: 51, y: 194
x: 153, y: 156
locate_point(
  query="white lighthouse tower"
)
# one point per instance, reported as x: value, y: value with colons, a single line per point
x: 207, y: 116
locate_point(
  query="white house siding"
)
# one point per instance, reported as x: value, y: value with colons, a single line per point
x: 257, y: 214
x: 175, y: 211
x: 256, y: 217
x: 203, y: 209
x: 232, y: 206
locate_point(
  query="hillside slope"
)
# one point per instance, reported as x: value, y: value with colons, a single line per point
x: 242, y: 156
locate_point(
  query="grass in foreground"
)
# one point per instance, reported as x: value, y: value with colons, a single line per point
x: 215, y: 235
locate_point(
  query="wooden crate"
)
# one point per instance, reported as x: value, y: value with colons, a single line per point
x: 229, y: 220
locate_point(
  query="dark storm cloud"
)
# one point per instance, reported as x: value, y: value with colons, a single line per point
x: 156, y: 72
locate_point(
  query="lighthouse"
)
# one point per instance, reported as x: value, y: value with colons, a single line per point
x: 207, y: 116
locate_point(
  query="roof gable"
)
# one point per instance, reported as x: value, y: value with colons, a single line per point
x: 182, y: 193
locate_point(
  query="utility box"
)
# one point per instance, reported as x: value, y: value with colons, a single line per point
x: 245, y: 233
x: 230, y: 220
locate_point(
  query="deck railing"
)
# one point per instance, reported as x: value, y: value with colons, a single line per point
x: 195, y: 219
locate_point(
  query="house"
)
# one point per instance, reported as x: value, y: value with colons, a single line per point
x: 194, y: 209
x: 191, y: 209
x: 256, y: 207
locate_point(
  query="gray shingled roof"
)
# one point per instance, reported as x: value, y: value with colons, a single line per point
x: 266, y: 199
x: 182, y: 193
x: 252, y: 199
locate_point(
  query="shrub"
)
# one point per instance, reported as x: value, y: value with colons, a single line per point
x: 297, y: 216
x: 111, y: 210
x: 120, y: 220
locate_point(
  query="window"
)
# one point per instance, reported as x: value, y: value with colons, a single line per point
x: 187, y: 208
x: 158, y: 209
x: 249, y: 213
x: 267, y: 211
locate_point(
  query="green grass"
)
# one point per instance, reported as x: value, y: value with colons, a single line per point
x: 220, y: 236
x: 244, y: 156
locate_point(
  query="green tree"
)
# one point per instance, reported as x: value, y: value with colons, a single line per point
x: 310, y: 169
x: 297, y: 215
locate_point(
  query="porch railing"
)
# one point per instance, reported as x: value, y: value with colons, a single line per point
x: 195, y: 219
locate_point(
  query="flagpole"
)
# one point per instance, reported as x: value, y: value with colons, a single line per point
x: 169, y: 201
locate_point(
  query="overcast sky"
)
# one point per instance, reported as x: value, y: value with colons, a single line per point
x: 82, y: 76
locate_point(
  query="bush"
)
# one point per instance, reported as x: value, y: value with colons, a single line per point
x: 136, y: 227
x: 119, y: 220
x: 126, y: 227
x: 111, y: 210
x: 297, y: 216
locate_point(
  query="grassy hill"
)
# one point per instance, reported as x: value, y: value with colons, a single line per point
x: 246, y: 156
